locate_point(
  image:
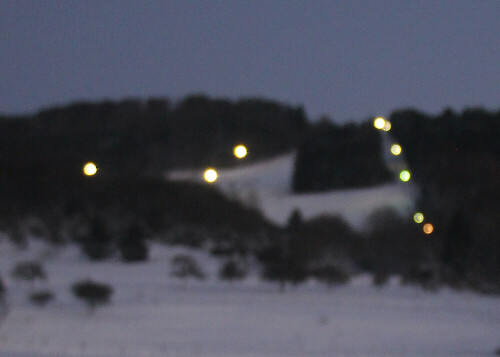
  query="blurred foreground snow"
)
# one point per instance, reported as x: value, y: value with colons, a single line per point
x: 154, y: 314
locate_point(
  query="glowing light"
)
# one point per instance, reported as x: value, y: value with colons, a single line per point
x: 404, y: 175
x: 379, y: 123
x: 210, y: 175
x: 89, y: 169
x: 418, y: 217
x: 240, y: 151
x: 396, y: 149
x: 387, y: 126
x: 428, y: 228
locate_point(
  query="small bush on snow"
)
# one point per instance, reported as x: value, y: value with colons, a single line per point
x: 92, y: 293
x: 331, y: 274
x: 380, y: 279
x: 41, y: 298
x: 232, y: 270
x: 184, y: 266
x: 3, y: 289
x: 29, y: 270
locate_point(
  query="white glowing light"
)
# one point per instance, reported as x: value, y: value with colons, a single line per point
x: 396, y: 149
x: 405, y: 175
x: 418, y: 217
x: 379, y: 123
x: 240, y: 151
x: 210, y: 175
x: 89, y: 169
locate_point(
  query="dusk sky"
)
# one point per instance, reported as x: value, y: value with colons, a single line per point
x: 344, y: 59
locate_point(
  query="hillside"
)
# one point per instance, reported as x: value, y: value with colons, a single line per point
x: 267, y: 185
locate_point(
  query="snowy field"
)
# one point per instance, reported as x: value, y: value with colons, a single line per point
x: 155, y: 314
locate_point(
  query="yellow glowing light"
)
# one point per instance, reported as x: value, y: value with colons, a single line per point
x: 240, y: 151
x: 379, y: 123
x: 387, y: 126
x: 396, y: 149
x: 210, y: 175
x: 405, y: 175
x: 428, y: 228
x: 90, y: 169
x: 418, y: 217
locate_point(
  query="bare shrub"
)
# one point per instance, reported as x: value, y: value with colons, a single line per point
x: 232, y: 270
x: 331, y: 274
x: 93, y: 293
x: 184, y: 266
x: 29, y: 271
x: 3, y: 289
x: 41, y: 298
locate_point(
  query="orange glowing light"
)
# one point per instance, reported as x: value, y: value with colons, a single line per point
x: 428, y: 228
x: 387, y: 126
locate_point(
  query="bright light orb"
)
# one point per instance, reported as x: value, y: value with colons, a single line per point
x: 379, y: 123
x: 240, y: 151
x: 387, y: 126
x: 89, y: 169
x: 404, y: 176
x: 418, y: 217
x: 210, y: 175
x: 428, y: 228
x: 396, y: 149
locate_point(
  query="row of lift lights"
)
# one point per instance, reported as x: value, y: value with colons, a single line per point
x: 210, y: 175
x: 396, y: 149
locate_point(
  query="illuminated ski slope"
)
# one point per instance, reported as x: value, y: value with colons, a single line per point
x: 267, y: 185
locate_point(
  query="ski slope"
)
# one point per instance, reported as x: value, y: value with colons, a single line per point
x: 267, y: 185
x: 156, y: 315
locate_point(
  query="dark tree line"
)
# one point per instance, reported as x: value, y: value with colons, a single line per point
x: 204, y: 131
x: 455, y: 159
x: 140, y: 138
x: 133, y: 142
x: 336, y: 157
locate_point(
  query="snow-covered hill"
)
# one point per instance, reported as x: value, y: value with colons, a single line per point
x: 154, y: 314
x: 267, y: 185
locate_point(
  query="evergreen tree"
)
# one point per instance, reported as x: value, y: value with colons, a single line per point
x: 2, y: 289
x: 97, y: 244
x: 295, y: 221
x: 456, y: 245
x: 232, y: 270
x: 133, y: 247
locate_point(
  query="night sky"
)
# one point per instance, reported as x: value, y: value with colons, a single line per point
x: 344, y: 59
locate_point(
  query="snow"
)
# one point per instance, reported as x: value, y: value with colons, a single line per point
x: 267, y: 185
x: 155, y: 314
